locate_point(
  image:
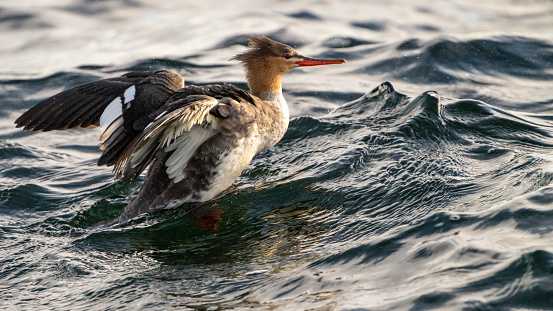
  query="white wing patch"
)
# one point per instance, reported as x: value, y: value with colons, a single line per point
x: 129, y: 95
x: 190, y: 116
x: 184, y: 147
x: 113, y: 111
x: 109, y: 131
x: 112, y: 117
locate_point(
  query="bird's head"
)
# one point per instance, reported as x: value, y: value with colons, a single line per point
x: 263, y: 52
x: 266, y: 58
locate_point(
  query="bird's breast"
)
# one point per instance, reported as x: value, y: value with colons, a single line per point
x: 272, y: 121
x: 230, y: 165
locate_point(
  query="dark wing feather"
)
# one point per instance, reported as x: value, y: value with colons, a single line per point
x: 67, y: 110
x: 216, y: 91
x: 82, y: 107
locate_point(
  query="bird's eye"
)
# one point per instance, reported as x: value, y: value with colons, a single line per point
x: 288, y: 56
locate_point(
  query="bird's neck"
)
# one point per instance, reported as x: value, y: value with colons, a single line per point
x: 273, y: 116
x: 263, y: 80
x: 265, y: 83
x: 267, y: 86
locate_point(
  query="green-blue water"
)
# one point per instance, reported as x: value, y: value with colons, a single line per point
x: 432, y: 191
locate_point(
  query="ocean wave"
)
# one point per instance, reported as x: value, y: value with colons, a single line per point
x: 452, y: 60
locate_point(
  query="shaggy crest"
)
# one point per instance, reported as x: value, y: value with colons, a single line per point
x: 261, y: 46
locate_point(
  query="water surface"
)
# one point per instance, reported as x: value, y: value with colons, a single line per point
x: 430, y: 191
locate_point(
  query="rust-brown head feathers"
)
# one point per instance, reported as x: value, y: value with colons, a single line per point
x: 263, y: 47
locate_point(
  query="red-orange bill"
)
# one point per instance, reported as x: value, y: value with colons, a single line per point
x: 308, y: 61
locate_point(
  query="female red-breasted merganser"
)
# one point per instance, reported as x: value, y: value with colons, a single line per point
x: 196, y: 140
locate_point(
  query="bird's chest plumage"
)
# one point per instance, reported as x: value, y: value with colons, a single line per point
x: 268, y: 128
x: 229, y: 166
x: 272, y: 121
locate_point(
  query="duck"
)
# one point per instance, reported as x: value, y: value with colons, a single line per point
x: 193, y: 141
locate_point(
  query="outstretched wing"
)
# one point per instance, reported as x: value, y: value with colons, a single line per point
x: 185, y: 125
x: 121, y: 106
